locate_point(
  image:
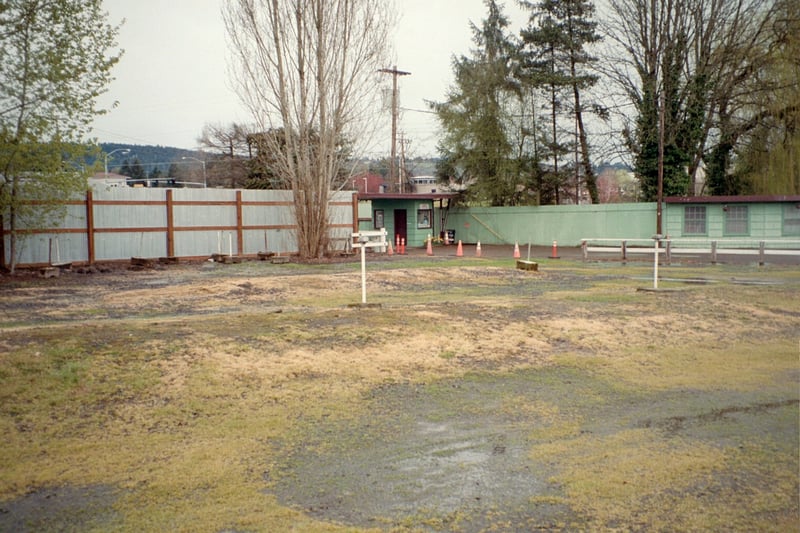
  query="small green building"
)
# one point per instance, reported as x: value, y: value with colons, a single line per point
x: 410, y: 216
x: 732, y: 217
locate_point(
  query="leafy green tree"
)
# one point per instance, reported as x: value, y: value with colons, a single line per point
x: 476, y: 148
x: 55, y: 59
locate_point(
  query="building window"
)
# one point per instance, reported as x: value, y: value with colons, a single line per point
x: 378, y: 218
x: 791, y: 220
x: 424, y: 216
x: 736, y: 220
x: 694, y: 220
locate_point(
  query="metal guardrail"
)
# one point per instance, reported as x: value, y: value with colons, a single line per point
x: 712, y: 247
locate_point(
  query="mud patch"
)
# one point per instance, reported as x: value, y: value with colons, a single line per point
x: 66, y: 508
x: 451, y: 454
x: 456, y: 454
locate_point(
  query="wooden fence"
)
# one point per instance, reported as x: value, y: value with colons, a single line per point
x: 120, y: 223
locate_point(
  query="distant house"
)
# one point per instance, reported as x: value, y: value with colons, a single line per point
x: 103, y: 181
x: 368, y: 182
x: 432, y: 184
x: 423, y: 184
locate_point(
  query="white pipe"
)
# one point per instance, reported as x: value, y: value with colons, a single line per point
x: 655, y: 265
x: 363, y: 274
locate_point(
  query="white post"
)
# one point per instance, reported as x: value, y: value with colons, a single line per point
x: 230, y: 244
x: 656, y: 239
x: 363, y: 241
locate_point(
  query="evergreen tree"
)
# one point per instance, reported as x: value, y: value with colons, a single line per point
x: 476, y: 148
x: 155, y: 177
x: 134, y: 170
x: 543, y: 67
x: 555, y: 59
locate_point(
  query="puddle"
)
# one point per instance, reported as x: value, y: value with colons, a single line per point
x: 455, y: 455
x: 68, y: 508
x: 448, y: 455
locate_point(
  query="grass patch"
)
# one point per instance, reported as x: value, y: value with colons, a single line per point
x: 197, y: 398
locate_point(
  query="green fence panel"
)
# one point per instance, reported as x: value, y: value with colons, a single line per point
x: 541, y: 225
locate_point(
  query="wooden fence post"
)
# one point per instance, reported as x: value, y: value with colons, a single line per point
x: 90, y: 227
x: 170, y: 225
x: 239, y: 224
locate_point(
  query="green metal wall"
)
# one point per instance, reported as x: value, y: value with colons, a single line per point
x: 541, y: 225
x: 569, y: 224
x: 765, y: 221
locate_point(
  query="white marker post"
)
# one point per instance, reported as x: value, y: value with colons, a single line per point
x: 657, y: 239
x: 363, y: 240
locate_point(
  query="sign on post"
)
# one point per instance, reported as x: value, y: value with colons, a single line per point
x: 364, y: 240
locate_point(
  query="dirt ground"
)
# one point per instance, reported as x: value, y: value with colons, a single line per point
x: 467, y: 396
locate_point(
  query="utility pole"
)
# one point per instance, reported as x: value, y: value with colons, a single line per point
x: 395, y: 73
x: 402, y: 177
x: 660, y: 195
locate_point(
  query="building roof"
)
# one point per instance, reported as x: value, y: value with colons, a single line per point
x: 732, y: 199
x: 408, y: 196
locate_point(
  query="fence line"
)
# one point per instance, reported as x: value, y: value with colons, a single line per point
x: 177, y: 223
x: 712, y: 247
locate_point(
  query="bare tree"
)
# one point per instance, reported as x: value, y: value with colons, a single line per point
x: 229, y: 140
x: 228, y: 166
x: 693, y: 60
x: 307, y: 68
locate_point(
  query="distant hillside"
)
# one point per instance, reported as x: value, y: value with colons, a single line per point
x: 148, y: 155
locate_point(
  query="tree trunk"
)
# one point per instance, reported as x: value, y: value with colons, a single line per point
x: 588, y: 172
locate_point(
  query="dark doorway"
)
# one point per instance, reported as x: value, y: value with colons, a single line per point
x: 400, y: 224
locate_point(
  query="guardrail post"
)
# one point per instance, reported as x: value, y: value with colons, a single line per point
x: 713, y: 252
x: 760, y: 253
x: 584, y: 250
x: 624, y: 249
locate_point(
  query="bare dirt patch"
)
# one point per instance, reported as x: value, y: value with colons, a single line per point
x: 253, y: 397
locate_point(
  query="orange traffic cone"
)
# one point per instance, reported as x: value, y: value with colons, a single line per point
x: 459, y: 250
x: 389, y: 251
x: 430, y: 246
x: 478, y: 249
x: 555, y: 250
x: 516, y: 250
x: 403, y: 246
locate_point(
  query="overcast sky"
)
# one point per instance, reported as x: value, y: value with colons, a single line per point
x: 172, y: 79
